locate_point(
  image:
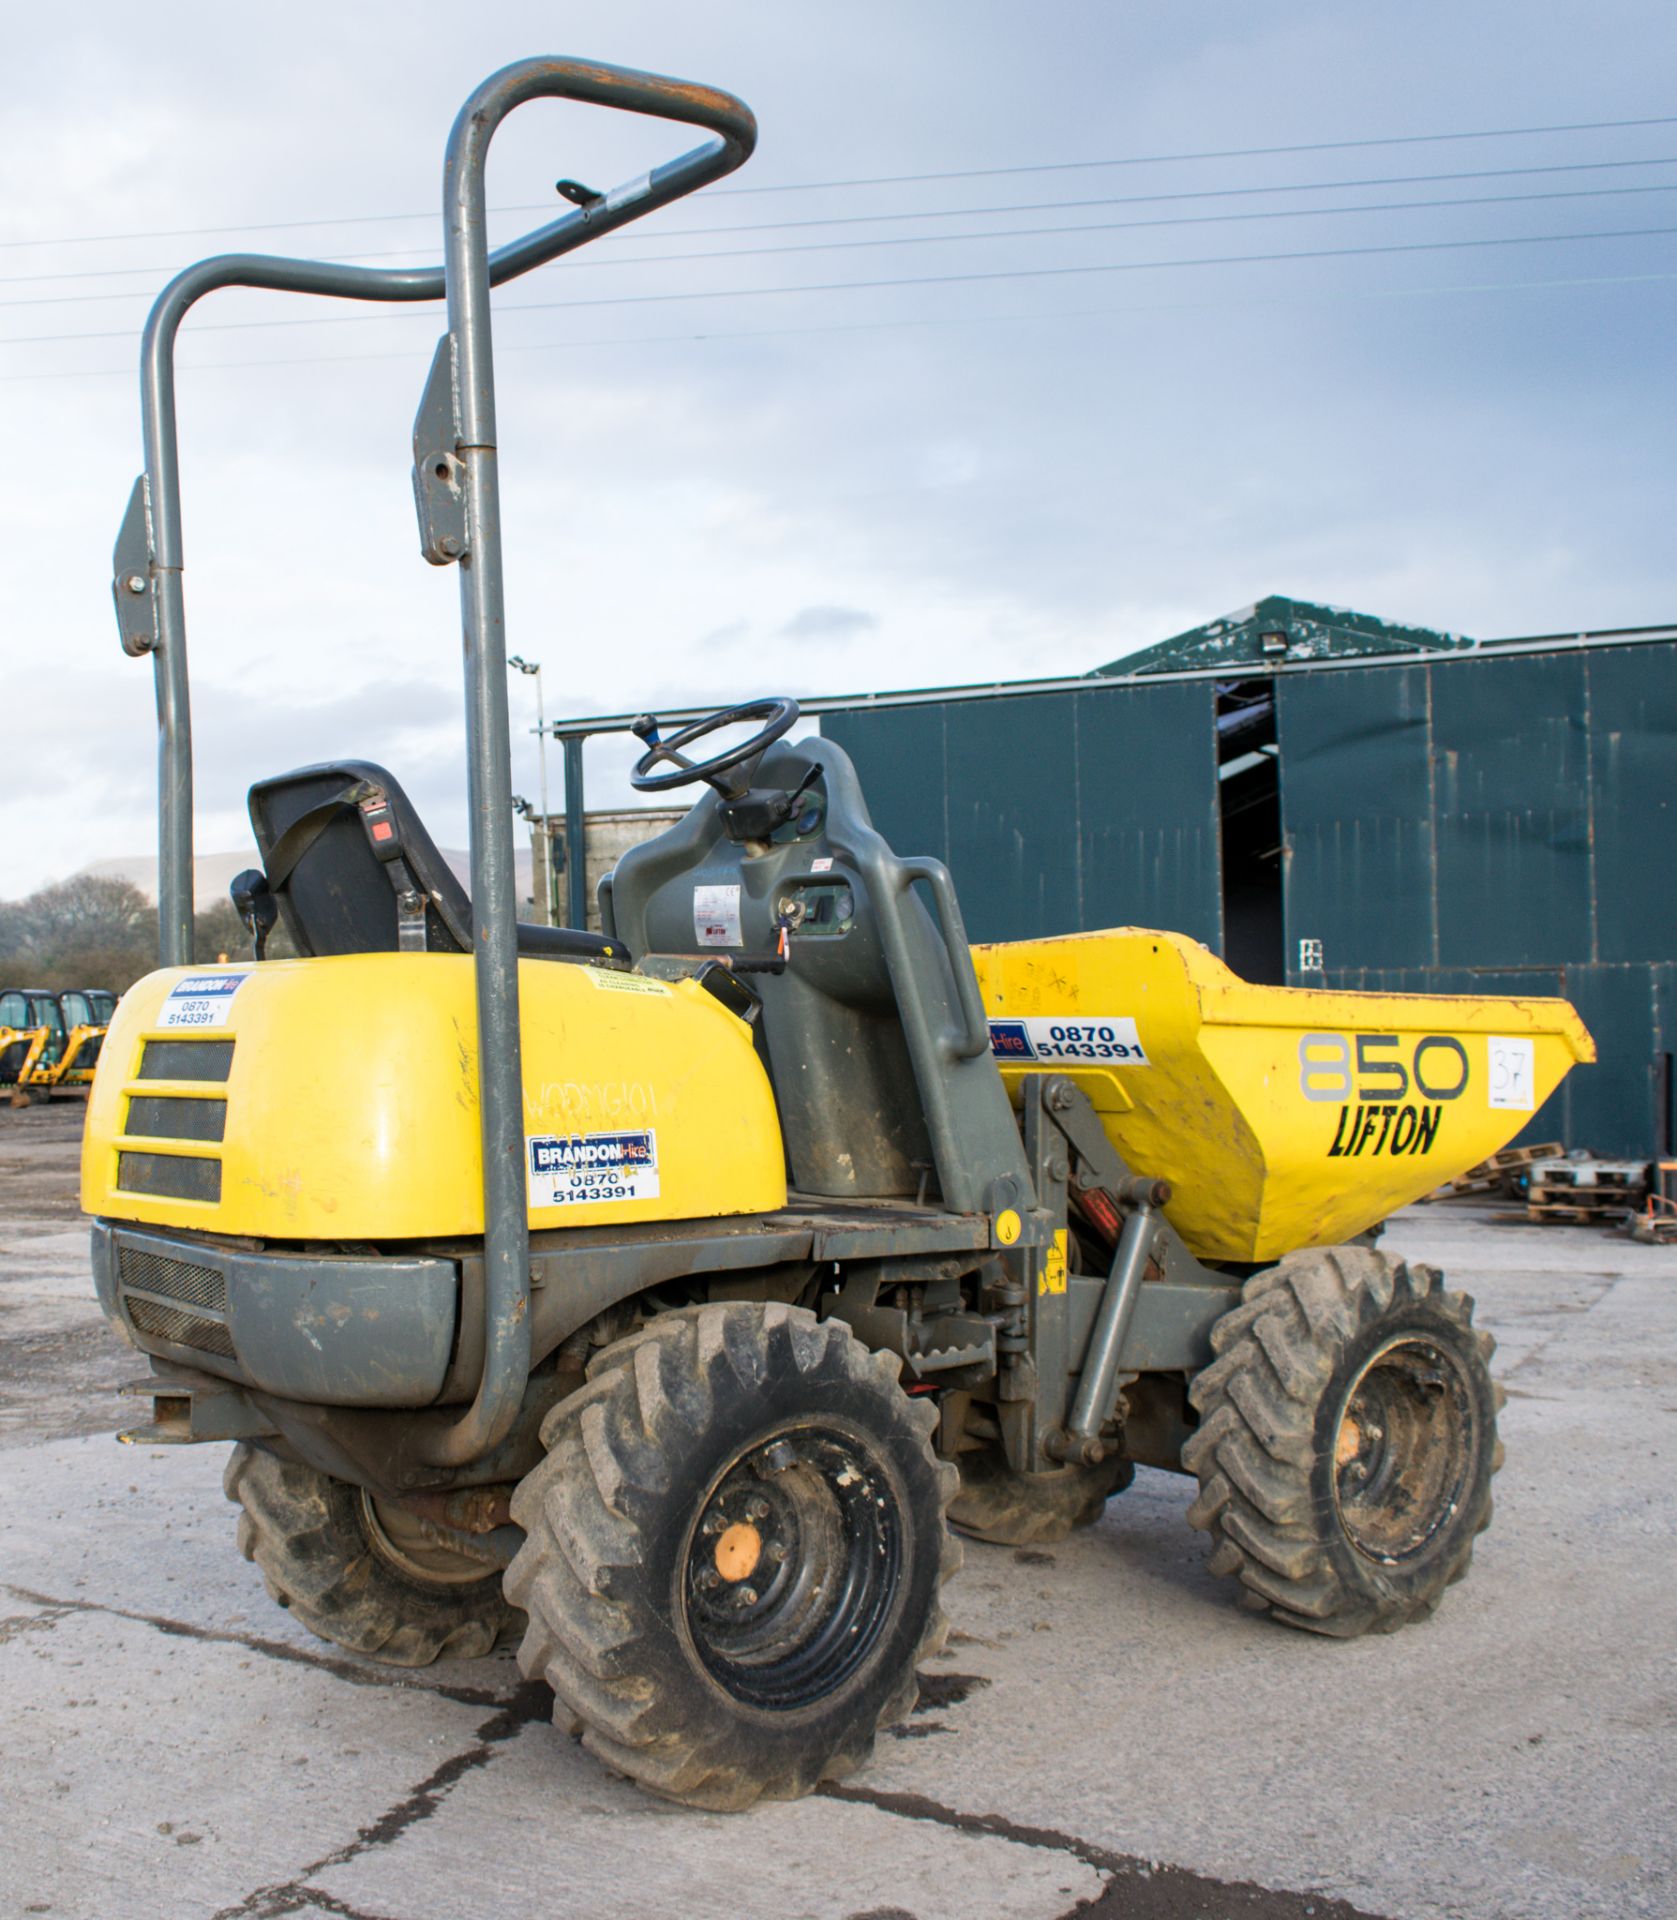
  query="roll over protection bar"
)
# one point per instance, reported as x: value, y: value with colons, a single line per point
x: 151, y: 615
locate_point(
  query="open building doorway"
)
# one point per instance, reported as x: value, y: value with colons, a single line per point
x: 1249, y: 812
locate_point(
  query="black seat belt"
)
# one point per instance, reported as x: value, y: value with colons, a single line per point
x: 373, y: 805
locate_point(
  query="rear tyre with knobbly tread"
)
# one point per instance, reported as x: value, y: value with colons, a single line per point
x: 1011, y: 1509
x: 709, y: 1662
x: 320, y: 1555
x: 1347, y: 1441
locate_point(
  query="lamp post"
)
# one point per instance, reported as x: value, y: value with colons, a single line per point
x: 521, y: 665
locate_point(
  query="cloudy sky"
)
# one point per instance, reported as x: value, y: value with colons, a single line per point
x: 984, y: 367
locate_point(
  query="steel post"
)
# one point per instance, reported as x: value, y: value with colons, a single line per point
x: 547, y: 818
x: 1097, y: 1387
x: 707, y: 107
x: 466, y: 277
x: 576, y: 839
x: 506, y: 1225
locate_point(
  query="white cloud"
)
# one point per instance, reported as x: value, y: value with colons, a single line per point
x: 807, y: 492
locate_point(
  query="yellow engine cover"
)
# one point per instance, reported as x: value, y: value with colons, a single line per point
x: 1283, y: 1117
x: 337, y: 1099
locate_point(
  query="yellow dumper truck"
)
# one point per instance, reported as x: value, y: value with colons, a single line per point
x: 669, y: 1297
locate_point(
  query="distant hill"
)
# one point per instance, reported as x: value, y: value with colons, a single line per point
x: 213, y: 872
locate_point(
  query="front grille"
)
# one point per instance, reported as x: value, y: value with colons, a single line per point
x: 169, y: 1176
x: 183, y: 1329
x: 164, y: 1116
x: 174, y: 1300
x: 186, y: 1060
x: 174, y: 1279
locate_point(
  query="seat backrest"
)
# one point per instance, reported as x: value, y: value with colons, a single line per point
x: 327, y: 835
x: 880, y: 1079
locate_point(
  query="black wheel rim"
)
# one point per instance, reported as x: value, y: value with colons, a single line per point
x: 791, y: 1566
x: 1405, y: 1445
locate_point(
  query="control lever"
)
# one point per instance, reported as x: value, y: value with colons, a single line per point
x: 256, y: 906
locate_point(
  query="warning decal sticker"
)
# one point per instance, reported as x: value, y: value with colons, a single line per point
x: 624, y: 982
x: 716, y: 916
x: 592, y: 1169
x: 1051, y: 1277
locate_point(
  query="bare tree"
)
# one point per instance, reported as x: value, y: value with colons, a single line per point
x: 89, y: 931
x: 95, y: 931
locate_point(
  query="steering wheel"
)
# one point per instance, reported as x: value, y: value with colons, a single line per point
x: 778, y: 716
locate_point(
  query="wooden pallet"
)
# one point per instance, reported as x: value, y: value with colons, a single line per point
x: 1519, y: 1156
x: 1555, y: 1212
x: 1587, y: 1177
x: 1581, y: 1192
x: 1487, y: 1176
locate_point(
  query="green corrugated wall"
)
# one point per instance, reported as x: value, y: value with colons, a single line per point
x: 1491, y: 824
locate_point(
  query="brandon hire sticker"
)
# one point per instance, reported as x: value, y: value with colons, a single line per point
x: 201, y: 1000
x: 592, y: 1169
x: 1112, y: 1039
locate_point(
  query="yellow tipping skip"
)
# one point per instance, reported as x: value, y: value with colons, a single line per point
x: 1281, y: 1116
x: 337, y: 1099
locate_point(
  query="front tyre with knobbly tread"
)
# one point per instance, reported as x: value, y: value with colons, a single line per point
x: 319, y: 1556
x: 760, y: 1417
x: 1347, y: 1440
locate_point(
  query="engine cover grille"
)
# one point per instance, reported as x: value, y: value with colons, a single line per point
x: 176, y: 1117
x: 175, y: 1279
x: 182, y: 1328
x: 169, y: 1176
x: 186, y: 1060
x: 175, y: 1300
x: 185, y: 1329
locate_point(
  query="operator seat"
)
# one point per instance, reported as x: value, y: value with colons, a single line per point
x: 342, y: 847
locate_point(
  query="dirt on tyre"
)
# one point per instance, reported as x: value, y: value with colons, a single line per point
x: 1347, y: 1441
x: 733, y: 1554
x: 361, y: 1572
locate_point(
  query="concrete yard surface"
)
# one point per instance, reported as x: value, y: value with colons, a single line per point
x: 1106, y: 1733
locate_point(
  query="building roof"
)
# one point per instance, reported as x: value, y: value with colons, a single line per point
x: 1276, y: 636
x: 1279, y: 629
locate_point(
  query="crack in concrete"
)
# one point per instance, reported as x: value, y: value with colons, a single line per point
x: 339, y: 1668
x: 1540, y: 1347
x: 19, y: 1623
x: 997, y: 1826
x: 531, y: 1703
x: 329, y: 1903
x: 1135, y: 1889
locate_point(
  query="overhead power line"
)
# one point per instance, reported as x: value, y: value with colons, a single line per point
x: 897, y: 179
x: 972, y: 213
x: 426, y: 311
x: 615, y: 259
x: 1223, y: 153
x: 705, y: 335
x: 990, y: 212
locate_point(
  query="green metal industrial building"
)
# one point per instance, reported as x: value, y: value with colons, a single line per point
x: 1328, y: 799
